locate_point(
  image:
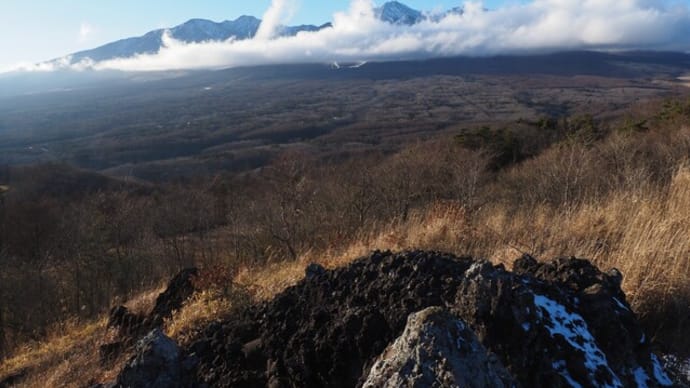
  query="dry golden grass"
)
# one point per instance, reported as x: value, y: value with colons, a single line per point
x: 265, y: 282
x: 642, y: 232
x: 202, y: 309
x: 65, y: 360
x: 144, y: 302
x: 69, y: 356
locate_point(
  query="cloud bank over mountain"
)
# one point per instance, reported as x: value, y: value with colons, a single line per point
x: 357, y: 34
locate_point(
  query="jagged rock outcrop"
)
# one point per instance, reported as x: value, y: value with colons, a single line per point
x: 131, y: 326
x: 563, y: 323
x: 327, y: 330
x: 180, y: 288
x: 157, y: 364
x: 437, y: 350
x: 556, y: 324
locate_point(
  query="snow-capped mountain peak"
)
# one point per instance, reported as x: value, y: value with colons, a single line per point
x: 398, y: 13
x: 202, y: 30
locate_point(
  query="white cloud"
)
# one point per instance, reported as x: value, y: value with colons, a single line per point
x: 42, y: 67
x: 271, y: 20
x: 85, y: 32
x: 54, y: 65
x: 356, y: 35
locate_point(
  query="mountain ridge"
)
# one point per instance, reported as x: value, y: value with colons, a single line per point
x: 191, y: 31
x: 395, y: 12
x: 197, y: 30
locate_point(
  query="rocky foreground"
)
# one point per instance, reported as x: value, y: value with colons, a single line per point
x: 418, y: 319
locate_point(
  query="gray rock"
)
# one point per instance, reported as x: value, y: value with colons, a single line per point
x: 437, y: 350
x: 155, y: 365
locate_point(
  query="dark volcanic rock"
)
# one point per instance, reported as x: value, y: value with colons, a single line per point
x: 130, y: 327
x: 327, y: 330
x: 13, y: 379
x: 556, y: 324
x: 678, y: 369
x: 180, y: 288
x: 602, y: 304
x: 314, y: 270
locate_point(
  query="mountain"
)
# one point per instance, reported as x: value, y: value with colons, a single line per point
x: 294, y: 30
x: 398, y: 13
x: 192, y: 31
x: 244, y: 27
x: 454, y: 10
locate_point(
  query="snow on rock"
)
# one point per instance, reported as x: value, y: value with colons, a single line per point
x: 573, y: 328
x: 678, y: 369
x: 565, y: 318
x: 397, y: 13
x: 659, y: 373
x: 641, y: 377
x: 620, y: 304
x: 437, y: 350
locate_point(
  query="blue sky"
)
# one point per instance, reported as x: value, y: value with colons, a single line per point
x: 33, y: 31
x: 36, y: 30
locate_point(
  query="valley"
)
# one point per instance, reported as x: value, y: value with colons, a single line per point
x: 239, y: 119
